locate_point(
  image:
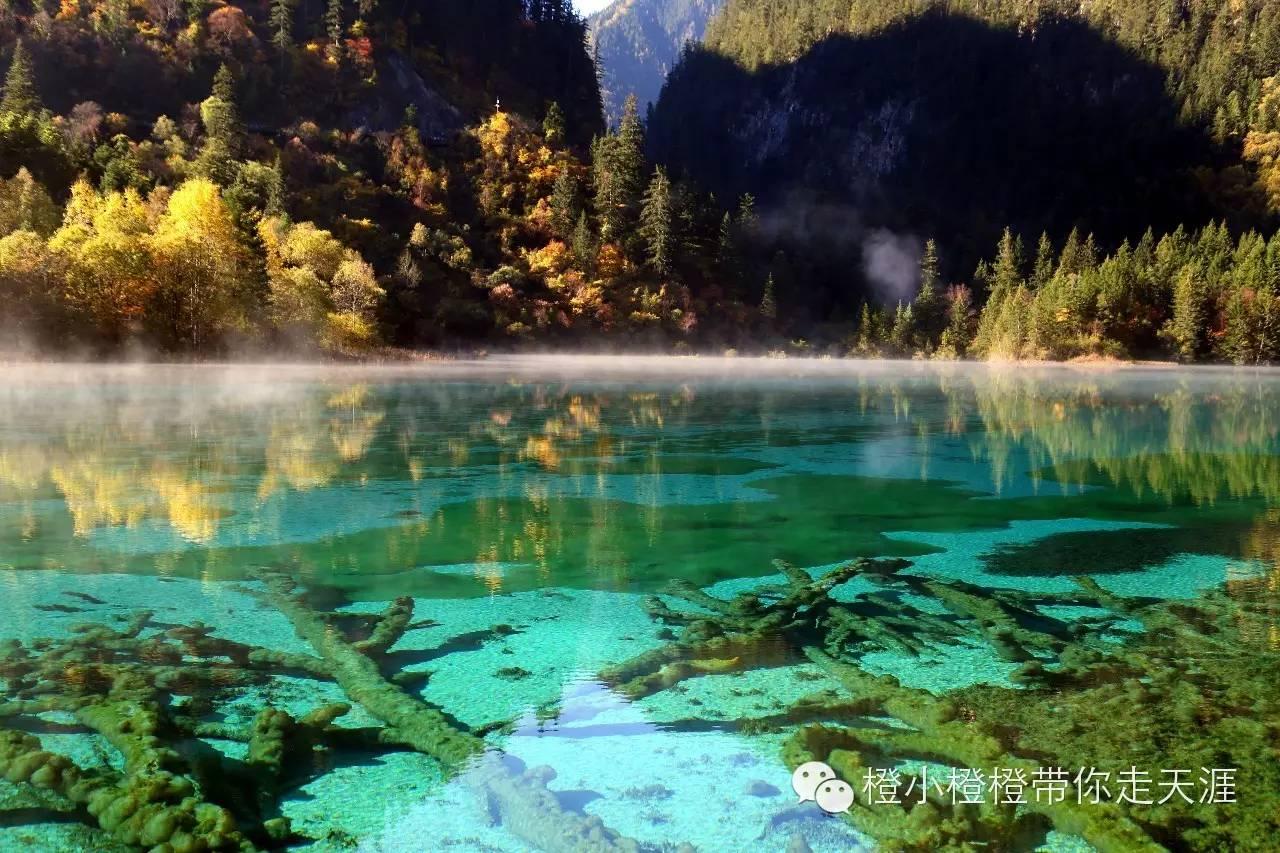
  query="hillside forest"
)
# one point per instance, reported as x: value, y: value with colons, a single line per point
x: 202, y: 178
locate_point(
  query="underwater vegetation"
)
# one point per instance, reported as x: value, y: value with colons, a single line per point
x: 153, y: 692
x: 1195, y: 688
x: 1198, y: 685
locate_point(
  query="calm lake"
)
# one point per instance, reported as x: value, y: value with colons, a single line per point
x: 536, y: 604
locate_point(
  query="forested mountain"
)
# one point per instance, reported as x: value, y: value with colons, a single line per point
x: 638, y: 42
x: 204, y: 176
x: 208, y: 177
x: 956, y: 118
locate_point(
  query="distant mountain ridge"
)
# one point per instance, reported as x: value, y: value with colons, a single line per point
x: 639, y: 41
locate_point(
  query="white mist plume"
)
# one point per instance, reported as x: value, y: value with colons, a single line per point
x: 891, y: 264
x: 890, y: 260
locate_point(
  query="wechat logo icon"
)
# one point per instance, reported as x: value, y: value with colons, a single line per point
x: 817, y: 782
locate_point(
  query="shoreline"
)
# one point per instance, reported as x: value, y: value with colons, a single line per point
x: 433, y: 358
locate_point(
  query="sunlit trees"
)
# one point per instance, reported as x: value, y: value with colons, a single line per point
x: 221, y: 119
x: 200, y: 268
x: 319, y: 291
x: 959, y: 331
x: 299, y: 261
x: 106, y: 270
x: 553, y: 125
x: 515, y: 169
x: 27, y: 285
x: 929, y: 307
x: 26, y: 206
x: 1001, y: 325
x: 1185, y: 328
x: 355, y: 294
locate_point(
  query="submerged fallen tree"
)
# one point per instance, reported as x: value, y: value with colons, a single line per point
x: 152, y: 693
x: 1189, y: 690
x: 1197, y: 686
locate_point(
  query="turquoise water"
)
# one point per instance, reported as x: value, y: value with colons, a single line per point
x: 535, y: 514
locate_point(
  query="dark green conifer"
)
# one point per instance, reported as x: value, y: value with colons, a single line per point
x: 553, y: 125
x: 657, y: 223
x: 564, y: 203
x: 769, y: 301
x: 281, y: 20
x: 19, y: 96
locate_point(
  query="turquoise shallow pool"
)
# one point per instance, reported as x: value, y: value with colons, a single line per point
x: 535, y: 604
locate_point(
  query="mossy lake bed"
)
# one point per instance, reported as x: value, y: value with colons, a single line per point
x: 537, y: 604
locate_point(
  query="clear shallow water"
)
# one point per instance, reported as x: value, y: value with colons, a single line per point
x: 532, y: 508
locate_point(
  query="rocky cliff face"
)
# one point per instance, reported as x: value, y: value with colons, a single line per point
x: 639, y: 41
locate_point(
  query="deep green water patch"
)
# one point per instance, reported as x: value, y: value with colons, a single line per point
x: 1118, y: 551
x: 591, y: 543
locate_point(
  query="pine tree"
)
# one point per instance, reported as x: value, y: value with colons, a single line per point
x: 657, y: 223
x: 333, y: 29
x: 631, y: 136
x: 870, y: 332
x: 928, y: 308
x: 19, y: 94
x: 224, y: 85
x: 769, y: 302
x: 1007, y: 272
x: 956, y: 337
x: 553, y: 125
x: 281, y: 21
x: 1239, y: 342
x: 728, y: 262
x: 902, y: 336
x: 995, y: 336
x: 564, y: 203
x: 1043, y: 270
x: 275, y: 191
x: 26, y: 206
x: 583, y: 244
x: 1185, y: 328
x: 746, y: 218
x: 1078, y: 256
x: 618, y: 162
x: 222, y: 128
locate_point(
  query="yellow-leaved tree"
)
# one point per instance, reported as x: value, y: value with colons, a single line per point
x: 25, y: 206
x: 26, y: 275
x: 201, y: 269
x: 355, y: 293
x: 319, y: 291
x: 27, y: 217
x: 102, y: 248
